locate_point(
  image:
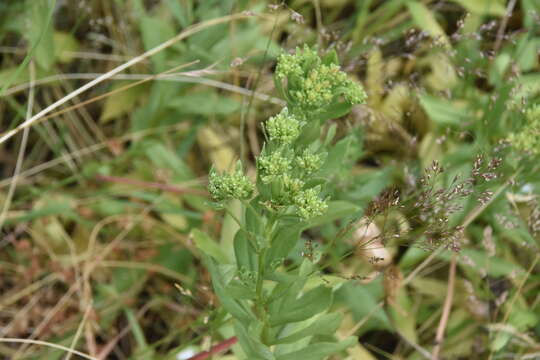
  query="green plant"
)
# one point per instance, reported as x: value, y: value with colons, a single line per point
x: 279, y: 311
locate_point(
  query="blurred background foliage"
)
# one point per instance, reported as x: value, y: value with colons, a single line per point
x: 97, y: 250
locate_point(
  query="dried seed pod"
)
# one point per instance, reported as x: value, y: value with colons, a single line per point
x: 369, y: 246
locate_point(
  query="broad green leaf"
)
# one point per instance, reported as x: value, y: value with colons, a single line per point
x: 164, y: 158
x: 443, y: 112
x: 251, y: 345
x: 207, y: 103
x: 319, y: 351
x: 483, y: 7
x: 209, y: 246
x: 233, y: 307
x: 64, y: 46
x: 335, y: 111
x: 326, y: 324
x: 499, y: 68
x: 253, y: 217
x: 289, y: 286
x: 412, y: 256
x: 156, y: 31
x: 283, y: 241
x: 244, y: 252
x: 425, y: 19
x: 14, y: 24
x: 367, y: 185
x: 239, y: 291
x: 230, y: 227
x: 342, y: 154
x: 526, y: 52
x: 41, y: 32
x: 363, y: 301
x: 308, y: 305
x: 121, y: 102
x: 181, y: 10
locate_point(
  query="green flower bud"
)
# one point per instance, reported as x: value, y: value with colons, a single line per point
x: 230, y: 185
x: 296, y: 64
x: 272, y: 166
x: 309, y: 162
x: 292, y: 185
x: 308, y: 204
x: 314, y: 85
x: 284, y: 127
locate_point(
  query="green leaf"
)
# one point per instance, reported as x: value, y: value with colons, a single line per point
x: 284, y: 240
x: 232, y: 306
x: 165, y: 158
x: 244, y: 251
x: 483, y: 7
x: 64, y: 46
x: 331, y: 58
x: 239, y: 291
x: 335, y: 111
x: 209, y: 246
x: 443, y: 112
x: 181, y: 10
x: 341, y: 155
x: 251, y: 345
x: 156, y: 31
x: 41, y: 32
x: 122, y: 102
x: 326, y: 324
x: 362, y: 301
x: 289, y: 286
x: 526, y: 53
x: 253, y: 217
x: 311, y: 303
x: 207, y: 103
x: 319, y: 351
x: 425, y: 19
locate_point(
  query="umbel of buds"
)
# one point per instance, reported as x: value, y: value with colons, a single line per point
x: 286, y: 164
x: 314, y: 83
x: 230, y: 186
x: 528, y: 138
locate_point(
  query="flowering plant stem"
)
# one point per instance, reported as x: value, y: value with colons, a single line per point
x: 280, y: 312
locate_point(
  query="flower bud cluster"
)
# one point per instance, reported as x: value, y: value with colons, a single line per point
x: 272, y: 166
x: 283, y: 128
x: 528, y: 138
x: 309, y: 162
x: 287, y: 165
x: 228, y: 186
x: 309, y: 204
x: 314, y: 85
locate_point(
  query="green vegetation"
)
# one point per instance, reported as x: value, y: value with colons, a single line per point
x: 240, y: 179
